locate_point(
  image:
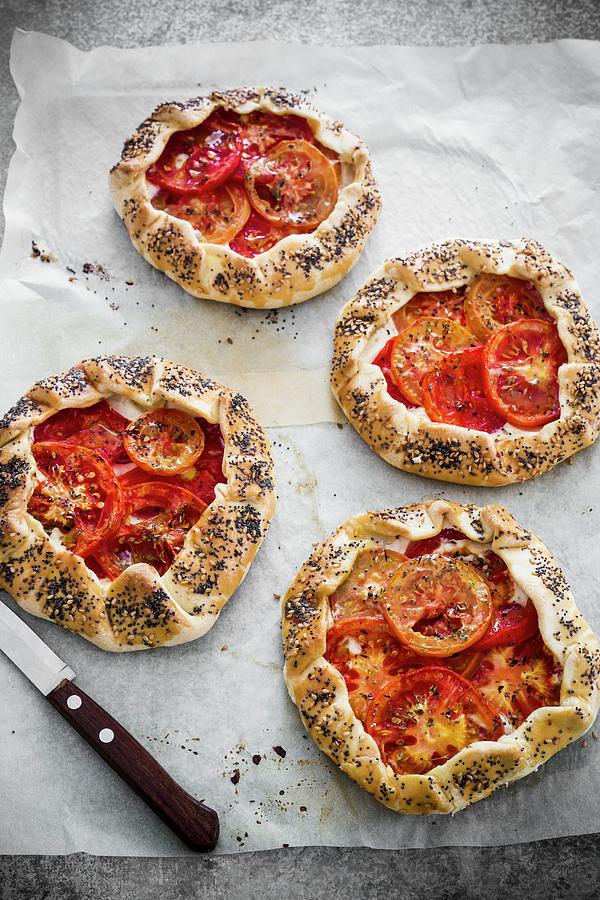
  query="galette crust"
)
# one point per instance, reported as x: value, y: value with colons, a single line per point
x: 298, y: 267
x: 447, y: 452
x: 320, y: 693
x: 140, y: 609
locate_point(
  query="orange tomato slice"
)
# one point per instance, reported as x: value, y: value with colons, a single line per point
x: 216, y: 216
x: 293, y: 185
x: 419, y: 347
x: 423, y: 717
x: 164, y: 441
x: 366, y: 583
x: 437, y: 606
x: 495, y: 300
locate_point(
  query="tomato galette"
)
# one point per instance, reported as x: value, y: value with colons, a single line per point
x: 249, y: 197
x: 435, y: 653
x: 470, y: 361
x: 134, y: 495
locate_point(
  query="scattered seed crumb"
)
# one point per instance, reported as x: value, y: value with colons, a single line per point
x: 236, y: 776
x: 256, y: 759
x: 339, y: 425
x: 95, y: 269
x: 225, y: 647
x: 42, y: 255
x: 229, y: 341
x: 277, y: 596
x: 129, y: 283
x: 280, y: 751
x: 595, y: 735
x: 303, y: 809
x: 585, y: 743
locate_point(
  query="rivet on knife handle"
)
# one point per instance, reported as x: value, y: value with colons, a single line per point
x: 196, y: 824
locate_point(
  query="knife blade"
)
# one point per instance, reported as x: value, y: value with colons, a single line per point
x: 30, y: 654
x: 194, y: 822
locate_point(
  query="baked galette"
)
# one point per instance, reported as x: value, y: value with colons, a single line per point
x: 435, y: 653
x: 134, y: 495
x: 250, y: 197
x: 470, y: 361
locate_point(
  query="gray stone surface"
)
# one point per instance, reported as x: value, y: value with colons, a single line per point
x: 549, y: 869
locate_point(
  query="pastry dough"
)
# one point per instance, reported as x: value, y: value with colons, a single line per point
x: 139, y: 609
x: 295, y: 269
x: 319, y: 690
x: 408, y: 439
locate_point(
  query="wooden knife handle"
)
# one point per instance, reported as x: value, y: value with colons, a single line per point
x: 196, y: 824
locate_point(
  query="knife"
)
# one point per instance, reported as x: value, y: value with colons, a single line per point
x: 196, y: 824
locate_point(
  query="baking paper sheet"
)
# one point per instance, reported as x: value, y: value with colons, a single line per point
x: 480, y: 142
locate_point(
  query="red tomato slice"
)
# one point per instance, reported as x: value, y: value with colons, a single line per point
x: 199, y: 159
x: 495, y: 300
x: 423, y: 717
x: 488, y: 565
x: 80, y: 494
x: 156, y: 520
x: 366, y: 653
x: 432, y: 305
x: 518, y: 680
x: 383, y: 361
x: 260, y: 132
x: 420, y: 347
x: 294, y: 185
x: 366, y: 583
x: 164, y: 441
x: 437, y: 606
x: 257, y: 236
x: 510, y: 624
x: 217, y: 216
x: 98, y: 427
x: 521, y: 362
x: 453, y: 392
x: 200, y: 479
x: 429, y: 545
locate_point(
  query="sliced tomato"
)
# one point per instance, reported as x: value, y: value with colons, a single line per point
x: 420, y: 347
x: 156, y: 520
x: 423, y: 717
x: 383, y: 361
x: 511, y: 624
x: 164, y: 441
x: 200, y: 479
x: 217, y: 216
x: 257, y: 236
x: 79, y: 494
x: 260, y: 132
x: 294, y: 185
x: 366, y: 583
x: 437, y: 606
x: 453, y: 392
x: 427, y: 546
x: 432, y: 305
x: 495, y: 300
x: 98, y: 427
x: 488, y: 564
x: 518, y: 680
x: 521, y: 362
x: 366, y: 653
x: 199, y: 159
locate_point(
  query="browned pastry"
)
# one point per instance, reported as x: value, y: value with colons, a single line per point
x: 471, y: 770
x: 407, y: 437
x: 139, y: 608
x: 299, y: 266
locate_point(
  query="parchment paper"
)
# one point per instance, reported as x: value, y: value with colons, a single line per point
x: 481, y: 142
